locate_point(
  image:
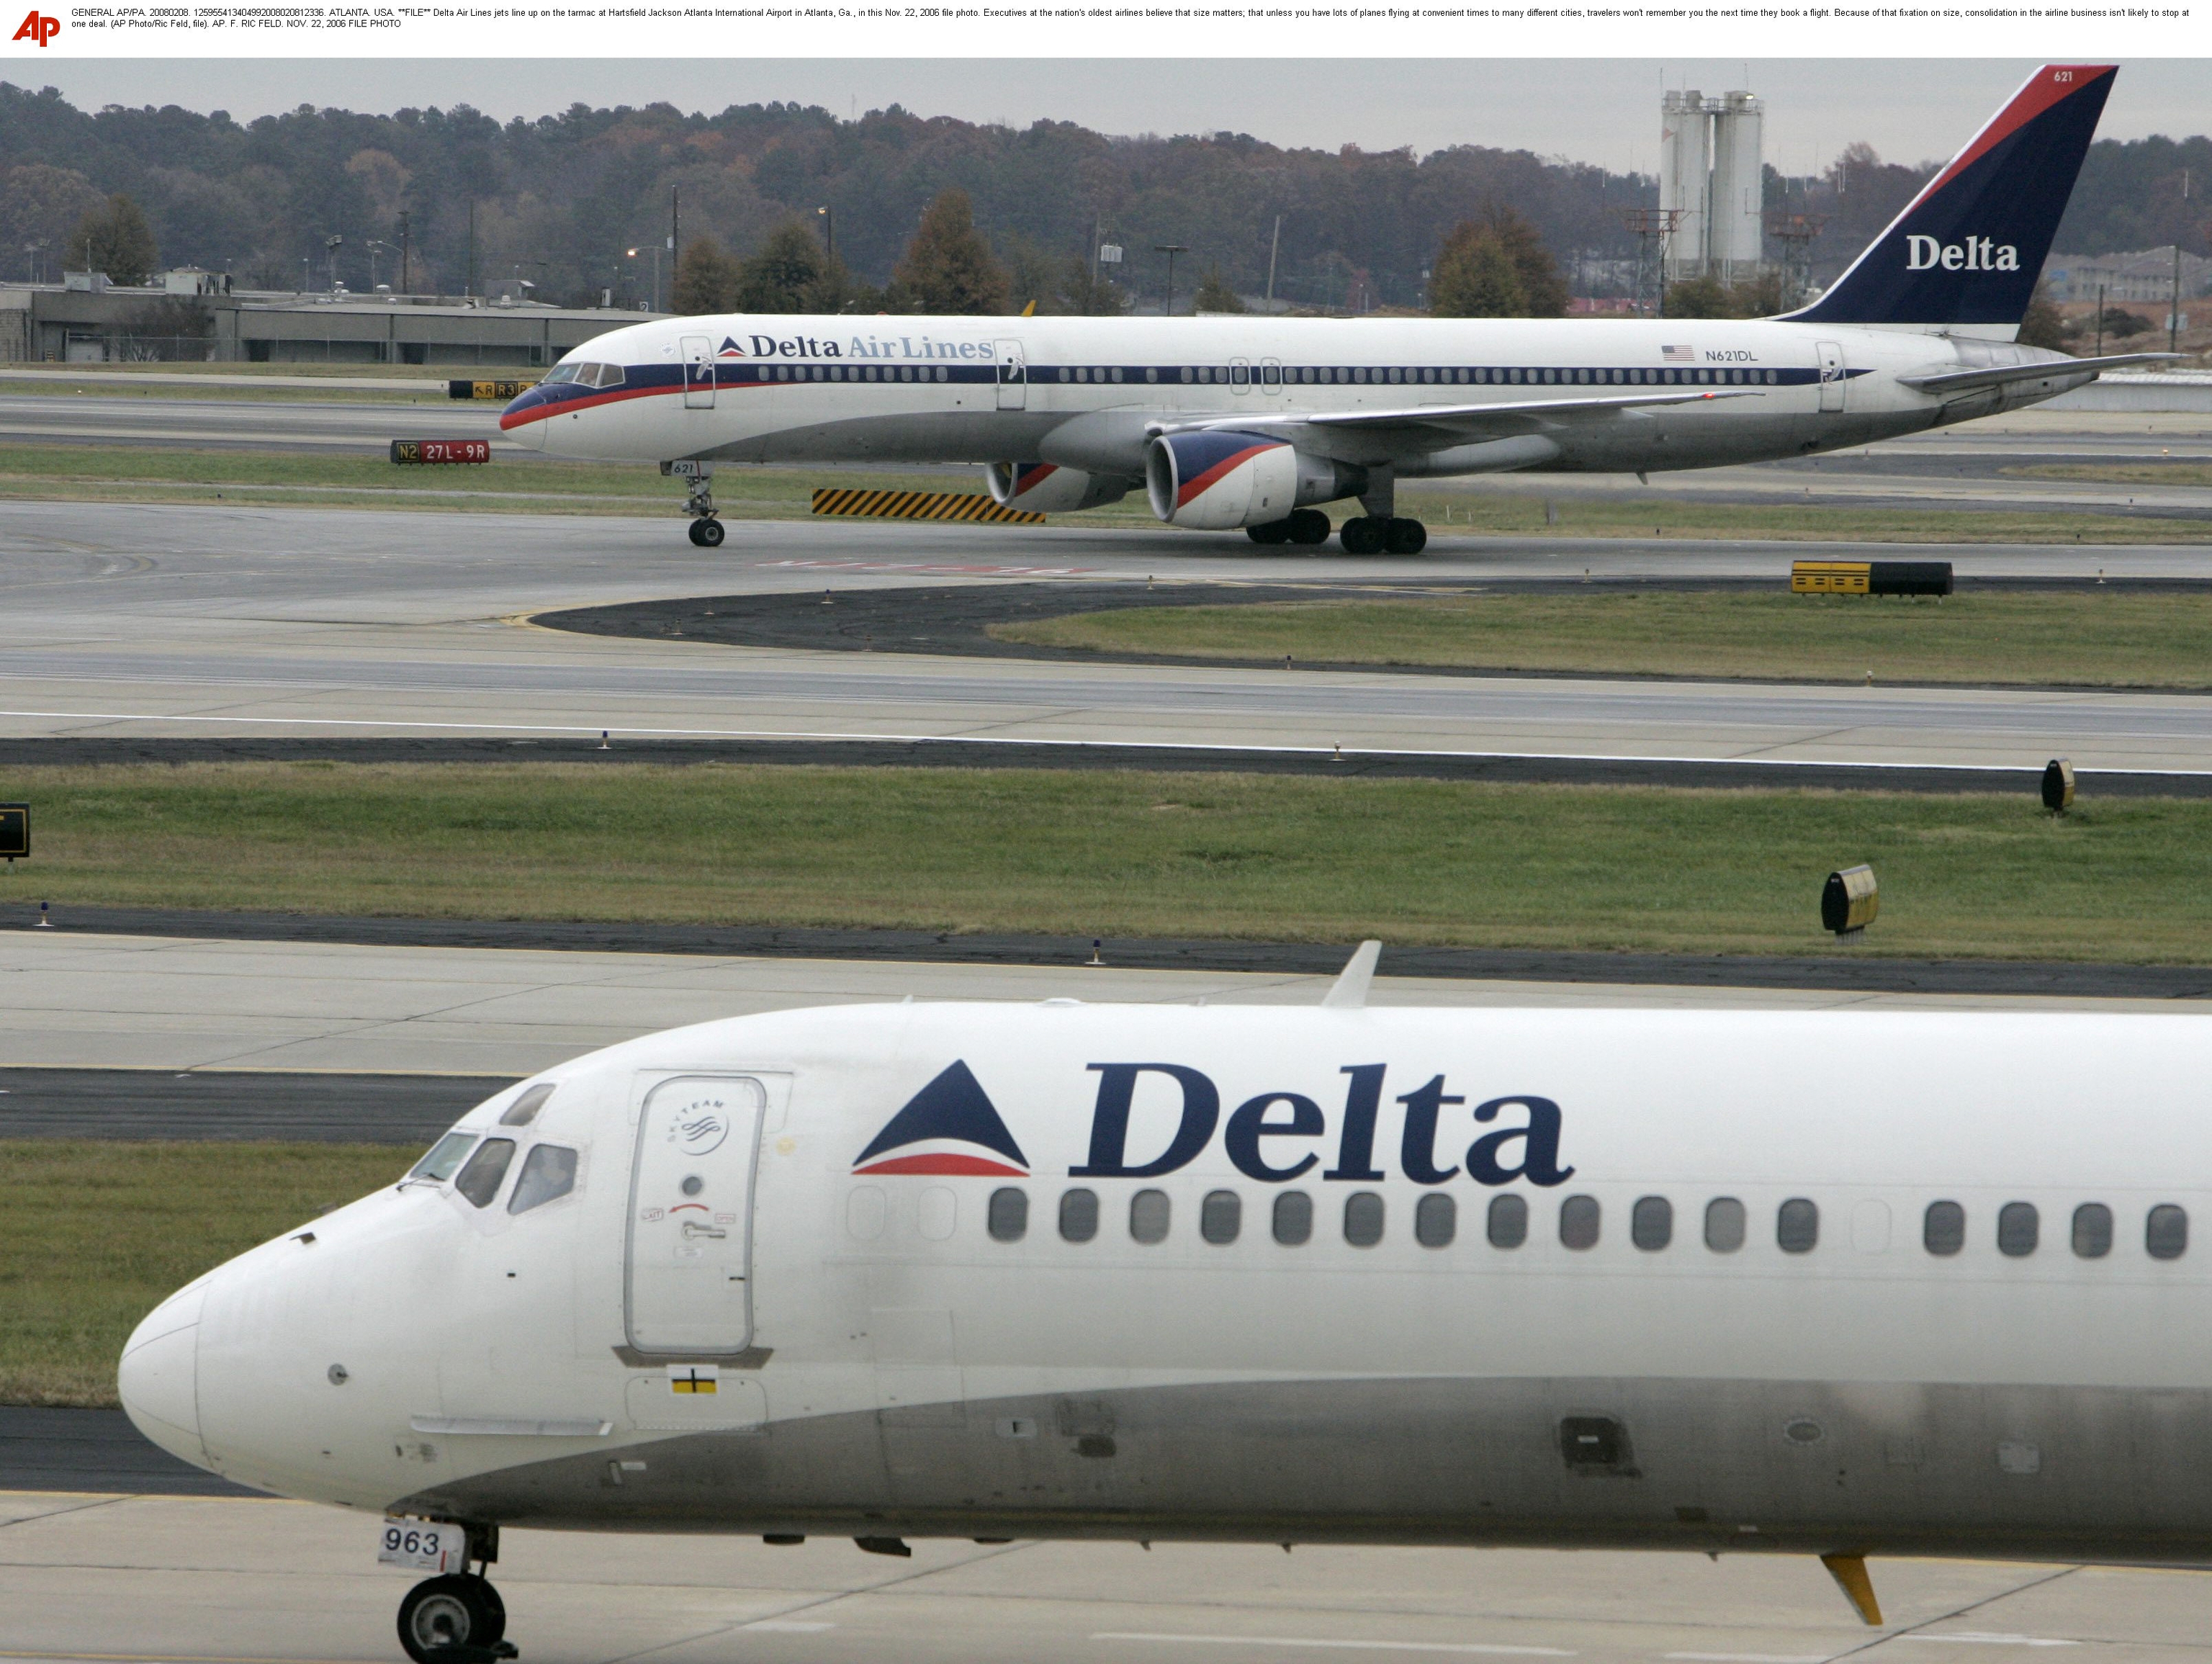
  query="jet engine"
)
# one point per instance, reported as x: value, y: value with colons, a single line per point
x: 1043, y: 489
x: 1213, y: 479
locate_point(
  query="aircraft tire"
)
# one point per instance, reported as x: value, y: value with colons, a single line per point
x: 1406, y: 537
x: 1362, y: 535
x: 707, y: 532
x: 1273, y: 532
x: 442, y: 1614
x: 1307, y: 526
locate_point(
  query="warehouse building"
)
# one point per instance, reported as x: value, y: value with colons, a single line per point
x: 195, y: 316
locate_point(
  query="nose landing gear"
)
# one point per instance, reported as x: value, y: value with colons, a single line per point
x: 455, y: 1619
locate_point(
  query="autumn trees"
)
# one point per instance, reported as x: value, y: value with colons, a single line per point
x: 1496, y: 266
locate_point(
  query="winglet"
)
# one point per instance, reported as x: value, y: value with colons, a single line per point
x: 1349, y: 992
x: 1851, y: 1574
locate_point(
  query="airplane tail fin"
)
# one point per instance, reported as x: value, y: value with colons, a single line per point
x: 1969, y: 248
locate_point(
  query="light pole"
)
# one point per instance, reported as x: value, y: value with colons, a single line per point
x: 1170, y: 250
x: 38, y: 263
x: 829, y: 233
x: 374, y: 248
x: 405, y: 276
x: 330, y: 245
x: 633, y: 254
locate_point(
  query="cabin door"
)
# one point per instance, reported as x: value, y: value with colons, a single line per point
x: 1013, y: 375
x: 1832, y: 377
x: 698, y: 372
x: 688, y: 1251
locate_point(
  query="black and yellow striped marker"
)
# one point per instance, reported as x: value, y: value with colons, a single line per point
x: 1870, y: 577
x: 921, y: 505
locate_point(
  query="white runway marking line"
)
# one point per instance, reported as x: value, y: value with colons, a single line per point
x: 1357, y: 1646
x: 1746, y: 1658
x: 1974, y: 1639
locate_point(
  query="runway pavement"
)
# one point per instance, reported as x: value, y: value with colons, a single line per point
x: 231, y: 1005
x: 88, y: 1576
x: 117, y: 619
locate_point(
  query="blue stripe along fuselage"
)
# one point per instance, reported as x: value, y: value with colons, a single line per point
x: 646, y: 380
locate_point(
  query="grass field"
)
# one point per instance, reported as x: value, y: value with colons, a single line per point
x: 2102, y: 638
x: 299, y: 479
x: 93, y: 1234
x: 1112, y: 853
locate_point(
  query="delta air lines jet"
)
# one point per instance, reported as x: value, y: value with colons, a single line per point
x: 1836, y: 1284
x: 1251, y: 422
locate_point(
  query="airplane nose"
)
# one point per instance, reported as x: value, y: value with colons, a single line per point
x: 516, y: 423
x: 159, y: 1376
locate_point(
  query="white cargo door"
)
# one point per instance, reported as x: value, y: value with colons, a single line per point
x: 1013, y: 375
x: 1832, y: 376
x: 698, y: 372
x: 689, y: 1250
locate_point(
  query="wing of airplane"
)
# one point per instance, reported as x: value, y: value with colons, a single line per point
x: 1438, y: 424
x: 1995, y: 375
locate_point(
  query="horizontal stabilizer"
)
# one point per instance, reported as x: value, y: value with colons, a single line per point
x: 1958, y: 381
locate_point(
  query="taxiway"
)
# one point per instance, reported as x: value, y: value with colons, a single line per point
x: 120, y: 619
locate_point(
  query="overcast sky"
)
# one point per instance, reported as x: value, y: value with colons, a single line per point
x: 1604, y: 111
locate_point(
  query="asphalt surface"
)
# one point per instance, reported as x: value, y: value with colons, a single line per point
x: 217, y: 621
x: 227, y: 1105
x: 1980, y: 464
x: 1845, y: 970
x: 1750, y: 775
x: 209, y: 1578
x: 95, y: 1452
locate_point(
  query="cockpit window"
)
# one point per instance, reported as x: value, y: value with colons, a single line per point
x: 604, y: 376
x: 479, y: 1180
x: 549, y: 1172
x: 524, y: 1110
x: 561, y: 373
x: 445, y: 1157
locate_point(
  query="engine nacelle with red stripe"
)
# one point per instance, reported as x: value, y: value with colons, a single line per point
x: 1215, y: 479
x: 1043, y: 489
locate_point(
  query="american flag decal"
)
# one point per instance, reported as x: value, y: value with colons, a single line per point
x: 1678, y: 355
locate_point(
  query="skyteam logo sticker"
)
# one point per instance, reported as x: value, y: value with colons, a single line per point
x: 949, y: 1127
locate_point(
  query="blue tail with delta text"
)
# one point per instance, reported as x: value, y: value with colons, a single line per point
x: 1969, y: 248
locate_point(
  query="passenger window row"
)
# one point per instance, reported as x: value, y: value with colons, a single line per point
x: 1651, y: 1222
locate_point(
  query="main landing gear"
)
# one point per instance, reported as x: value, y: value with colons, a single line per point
x: 455, y: 1619
x: 1374, y: 534
x: 699, y: 504
x: 1302, y: 525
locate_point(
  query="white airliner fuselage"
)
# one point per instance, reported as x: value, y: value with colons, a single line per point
x: 1229, y: 421
x: 1836, y: 1283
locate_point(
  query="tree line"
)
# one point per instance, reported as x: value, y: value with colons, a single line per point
x: 577, y: 203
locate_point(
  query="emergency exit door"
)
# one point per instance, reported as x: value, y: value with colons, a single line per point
x: 698, y: 372
x: 689, y: 1250
x: 1013, y: 375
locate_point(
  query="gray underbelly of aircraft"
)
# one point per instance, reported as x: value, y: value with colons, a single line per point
x: 2068, y: 1473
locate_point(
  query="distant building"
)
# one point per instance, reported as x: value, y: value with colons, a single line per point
x: 89, y: 320
x: 2144, y: 276
x: 1712, y: 178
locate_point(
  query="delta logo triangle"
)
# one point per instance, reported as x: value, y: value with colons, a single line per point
x: 729, y: 349
x: 948, y: 1127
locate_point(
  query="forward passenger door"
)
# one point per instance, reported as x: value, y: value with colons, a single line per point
x: 1832, y: 377
x: 698, y: 372
x: 688, y: 1250
x: 1013, y: 376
